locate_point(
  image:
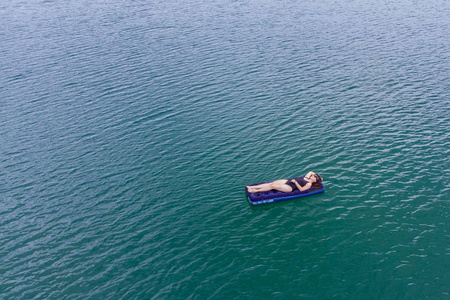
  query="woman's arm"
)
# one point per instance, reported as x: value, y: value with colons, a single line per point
x: 309, y: 174
x: 300, y: 188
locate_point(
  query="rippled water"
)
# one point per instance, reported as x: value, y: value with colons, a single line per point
x: 130, y: 128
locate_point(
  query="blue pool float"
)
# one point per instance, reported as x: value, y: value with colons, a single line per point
x: 275, y: 196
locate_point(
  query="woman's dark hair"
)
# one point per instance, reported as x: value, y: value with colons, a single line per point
x: 318, y: 181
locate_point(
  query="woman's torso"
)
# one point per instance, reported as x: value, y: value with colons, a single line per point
x: 301, y: 181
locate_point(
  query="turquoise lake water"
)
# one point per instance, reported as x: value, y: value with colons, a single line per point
x: 129, y: 130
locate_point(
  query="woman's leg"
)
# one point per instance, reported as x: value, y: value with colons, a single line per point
x: 264, y: 187
x: 279, y: 185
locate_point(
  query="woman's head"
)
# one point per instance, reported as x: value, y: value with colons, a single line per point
x: 318, y: 178
x: 315, y: 179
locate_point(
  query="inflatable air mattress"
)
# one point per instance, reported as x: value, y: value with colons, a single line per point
x: 275, y: 196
